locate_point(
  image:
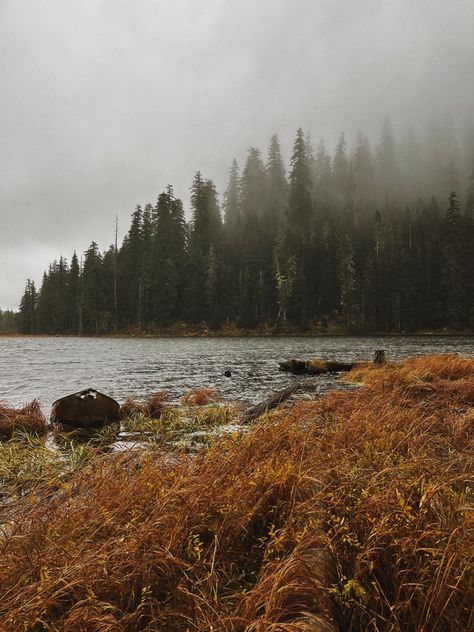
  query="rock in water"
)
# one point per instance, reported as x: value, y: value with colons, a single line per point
x: 379, y: 357
x: 85, y: 408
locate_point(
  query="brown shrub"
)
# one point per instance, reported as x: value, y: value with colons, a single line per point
x: 200, y: 397
x: 27, y: 419
x: 151, y: 407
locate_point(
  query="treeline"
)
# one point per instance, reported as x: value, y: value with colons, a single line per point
x: 8, y: 322
x: 367, y: 241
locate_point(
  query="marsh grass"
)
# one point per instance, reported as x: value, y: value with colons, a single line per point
x: 201, y: 397
x: 150, y: 408
x: 349, y: 512
x: 28, y: 419
x: 178, y: 423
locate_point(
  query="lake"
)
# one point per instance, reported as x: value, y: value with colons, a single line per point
x: 47, y: 368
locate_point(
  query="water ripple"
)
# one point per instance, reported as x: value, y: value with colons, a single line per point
x: 48, y: 368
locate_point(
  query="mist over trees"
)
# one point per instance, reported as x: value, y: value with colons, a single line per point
x: 370, y: 238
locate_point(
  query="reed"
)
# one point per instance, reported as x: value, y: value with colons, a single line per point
x: 28, y: 419
x: 348, y: 512
x: 200, y: 397
x: 151, y: 408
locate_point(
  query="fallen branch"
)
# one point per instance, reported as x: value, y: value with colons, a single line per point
x: 269, y: 403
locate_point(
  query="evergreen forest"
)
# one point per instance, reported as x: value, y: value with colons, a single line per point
x: 371, y: 239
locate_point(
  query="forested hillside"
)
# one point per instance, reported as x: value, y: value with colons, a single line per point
x: 364, y: 240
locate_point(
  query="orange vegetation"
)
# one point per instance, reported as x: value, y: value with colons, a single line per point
x: 349, y: 512
x: 151, y: 407
x: 26, y: 419
x: 200, y: 397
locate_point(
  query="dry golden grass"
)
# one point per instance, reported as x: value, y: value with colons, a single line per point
x: 26, y: 419
x: 200, y: 397
x: 350, y: 512
x: 416, y: 369
x: 151, y: 408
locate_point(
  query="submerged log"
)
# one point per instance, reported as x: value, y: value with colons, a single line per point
x: 316, y: 366
x: 269, y: 404
x: 296, y: 367
x: 84, y: 409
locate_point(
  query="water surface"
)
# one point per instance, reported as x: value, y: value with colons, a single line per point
x: 47, y: 368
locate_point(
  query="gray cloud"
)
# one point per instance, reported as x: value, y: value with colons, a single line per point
x: 105, y: 102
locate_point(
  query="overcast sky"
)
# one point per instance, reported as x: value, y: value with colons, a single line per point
x: 105, y: 102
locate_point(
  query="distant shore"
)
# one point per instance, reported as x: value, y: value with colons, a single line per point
x: 202, y: 331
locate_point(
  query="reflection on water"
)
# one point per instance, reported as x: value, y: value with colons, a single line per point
x: 49, y: 368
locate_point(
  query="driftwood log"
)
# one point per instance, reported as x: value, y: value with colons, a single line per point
x: 315, y: 367
x: 270, y: 403
x: 319, y: 367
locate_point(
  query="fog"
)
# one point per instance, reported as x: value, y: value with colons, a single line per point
x: 105, y: 102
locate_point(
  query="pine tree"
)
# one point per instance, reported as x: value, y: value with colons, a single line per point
x: 27, y: 309
x: 299, y: 199
x: 321, y: 178
x: 214, y: 311
x: 130, y: 269
x: 252, y: 263
x: 453, y: 263
x: 148, y: 268
x: 277, y: 186
x: 341, y: 170
x: 327, y: 298
x: 347, y: 281
x: 232, y: 204
x: 232, y: 245
x: 74, y: 307
x: 253, y: 184
x: 206, y: 231
x: 300, y: 212
x: 362, y: 176
x: 169, y: 258
x: 92, y: 289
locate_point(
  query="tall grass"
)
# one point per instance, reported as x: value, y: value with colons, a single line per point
x: 152, y: 407
x: 349, y: 512
x: 200, y: 396
x: 29, y: 418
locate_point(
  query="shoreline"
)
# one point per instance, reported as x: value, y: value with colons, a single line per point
x: 249, y: 334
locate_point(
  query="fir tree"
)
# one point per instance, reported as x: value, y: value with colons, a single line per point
x: 453, y: 268
x: 341, y: 170
x: 27, y: 309
x: 253, y: 184
x: 277, y: 186
x: 232, y: 204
